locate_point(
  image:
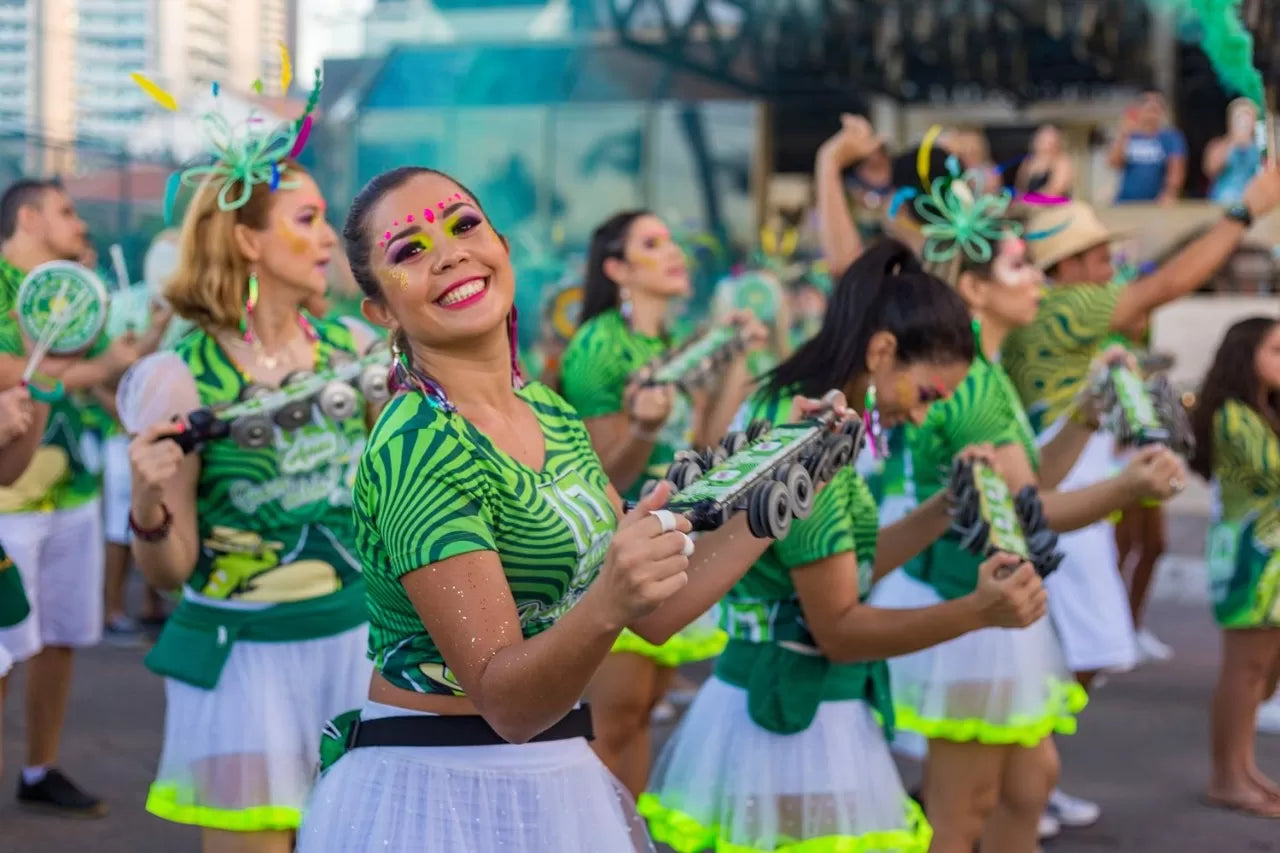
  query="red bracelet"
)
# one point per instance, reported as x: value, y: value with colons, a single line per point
x: 156, y: 534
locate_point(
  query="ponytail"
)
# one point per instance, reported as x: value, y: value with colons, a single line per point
x: 884, y: 290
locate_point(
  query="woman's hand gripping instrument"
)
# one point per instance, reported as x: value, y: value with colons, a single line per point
x: 1139, y: 413
x: 770, y: 472
x: 252, y: 421
x: 989, y: 519
x: 696, y: 364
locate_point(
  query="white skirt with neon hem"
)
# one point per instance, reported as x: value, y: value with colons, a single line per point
x: 243, y: 756
x: 701, y: 640
x: 725, y: 784
x: 995, y: 685
x: 546, y: 797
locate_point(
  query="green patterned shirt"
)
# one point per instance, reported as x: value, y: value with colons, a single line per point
x: 983, y: 410
x: 275, y: 523
x: 1048, y: 359
x: 595, y: 368
x: 844, y: 519
x: 67, y: 469
x: 431, y: 486
x: 1246, y: 461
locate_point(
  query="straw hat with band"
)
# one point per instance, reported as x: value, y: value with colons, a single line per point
x: 1063, y: 231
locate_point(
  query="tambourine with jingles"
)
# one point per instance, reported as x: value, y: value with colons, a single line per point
x: 696, y: 364
x: 1138, y: 413
x: 251, y: 422
x: 62, y: 307
x: 769, y: 472
x: 989, y: 519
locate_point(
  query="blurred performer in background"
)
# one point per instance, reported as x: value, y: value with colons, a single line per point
x: 51, y: 518
x: 635, y: 272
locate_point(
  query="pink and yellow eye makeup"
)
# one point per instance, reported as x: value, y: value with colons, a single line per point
x: 427, y: 215
x: 910, y: 394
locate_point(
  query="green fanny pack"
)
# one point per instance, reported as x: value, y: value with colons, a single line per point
x: 197, y: 639
x: 786, y: 683
x: 13, y: 598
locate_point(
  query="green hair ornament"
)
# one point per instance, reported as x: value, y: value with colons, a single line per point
x: 956, y: 219
x: 242, y: 158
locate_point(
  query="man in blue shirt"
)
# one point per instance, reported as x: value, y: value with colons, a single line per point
x: 1150, y: 155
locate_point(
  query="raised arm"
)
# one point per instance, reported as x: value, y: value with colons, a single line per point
x: 1194, y: 265
x: 837, y: 232
x: 1215, y: 157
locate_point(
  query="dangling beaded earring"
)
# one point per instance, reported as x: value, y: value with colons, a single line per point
x: 398, y: 376
x: 405, y: 377
x: 871, y: 420
x: 624, y: 304
x: 249, y: 305
x: 517, y: 378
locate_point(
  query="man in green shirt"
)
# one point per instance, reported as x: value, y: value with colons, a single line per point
x: 1049, y: 359
x: 51, y: 518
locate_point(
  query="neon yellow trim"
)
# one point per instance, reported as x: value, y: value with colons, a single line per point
x: 685, y: 834
x: 685, y: 647
x: 1068, y: 699
x: 165, y: 801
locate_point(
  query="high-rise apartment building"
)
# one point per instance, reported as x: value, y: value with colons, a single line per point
x: 65, y: 64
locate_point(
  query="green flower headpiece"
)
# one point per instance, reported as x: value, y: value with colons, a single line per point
x: 243, y: 157
x: 958, y: 219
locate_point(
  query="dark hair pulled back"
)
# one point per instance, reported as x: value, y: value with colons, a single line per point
x: 885, y: 290
x: 609, y: 240
x: 357, y: 239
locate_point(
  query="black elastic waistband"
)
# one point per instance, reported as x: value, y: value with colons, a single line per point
x: 471, y: 730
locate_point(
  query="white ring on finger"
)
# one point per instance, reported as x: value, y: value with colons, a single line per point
x: 688, y: 545
x: 666, y: 518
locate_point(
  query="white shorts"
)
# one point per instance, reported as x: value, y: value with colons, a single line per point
x: 1087, y: 598
x: 116, y: 490
x: 60, y: 558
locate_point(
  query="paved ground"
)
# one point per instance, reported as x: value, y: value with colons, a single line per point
x: 1141, y: 751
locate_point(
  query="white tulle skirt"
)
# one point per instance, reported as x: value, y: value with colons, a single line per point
x: 723, y: 783
x: 995, y: 685
x: 6, y: 661
x: 243, y: 756
x: 549, y: 797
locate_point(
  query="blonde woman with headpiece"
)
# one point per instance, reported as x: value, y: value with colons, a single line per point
x: 989, y: 701
x: 269, y: 639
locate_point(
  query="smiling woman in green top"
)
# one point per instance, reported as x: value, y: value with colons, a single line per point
x: 635, y: 272
x: 1237, y: 429
x: 499, y: 563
